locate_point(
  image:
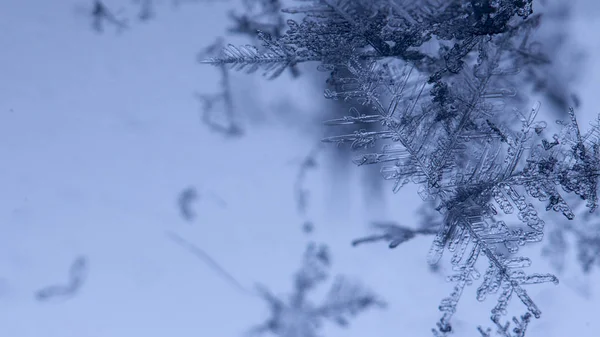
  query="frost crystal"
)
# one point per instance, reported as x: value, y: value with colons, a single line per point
x: 455, y: 121
x: 299, y: 317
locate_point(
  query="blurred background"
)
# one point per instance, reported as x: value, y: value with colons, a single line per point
x: 112, y: 136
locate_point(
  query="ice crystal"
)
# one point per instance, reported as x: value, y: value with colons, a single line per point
x: 456, y: 121
x: 297, y: 316
x: 217, y: 109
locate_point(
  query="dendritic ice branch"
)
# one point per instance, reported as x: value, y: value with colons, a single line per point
x: 394, y: 234
x: 297, y: 316
x: 476, y: 169
x: 217, y: 110
x: 457, y: 122
x: 334, y: 31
